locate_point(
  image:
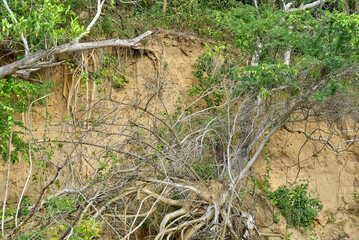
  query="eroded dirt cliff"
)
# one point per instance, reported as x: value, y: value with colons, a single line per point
x: 163, y: 68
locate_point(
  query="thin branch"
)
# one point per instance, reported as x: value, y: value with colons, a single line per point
x: 98, y: 145
x: 30, y: 155
x: 298, y: 130
x: 130, y: 216
x: 41, y: 195
x: 142, y: 222
x: 7, y: 177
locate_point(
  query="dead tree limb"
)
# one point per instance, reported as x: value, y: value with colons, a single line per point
x: 66, y: 48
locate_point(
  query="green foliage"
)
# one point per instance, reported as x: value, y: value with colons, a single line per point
x: 330, y: 90
x: 216, y: 71
x: 200, y: 17
x: 328, y: 36
x: 322, y: 44
x: 15, y: 97
x: 219, y: 4
x: 297, y: 205
x: 107, y: 25
x: 210, y: 76
x: 59, y: 205
x: 86, y: 229
x: 250, y: 25
x: 206, y: 169
x: 264, y: 184
x: 31, y: 236
x: 356, y: 197
x: 120, y: 80
x: 11, y: 211
x: 44, y: 23
x: 110, y: 71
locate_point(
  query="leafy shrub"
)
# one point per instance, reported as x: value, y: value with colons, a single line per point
x: 296, y: 204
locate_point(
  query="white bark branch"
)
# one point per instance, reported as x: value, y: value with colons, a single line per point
x: 94, y: 20
x: 169, y: 217
x: 288, y: 9
x: 307, y: 6
x: 29, y: 175
x: 280, y: 121
x: 65, y: 48
x: 287, y: 55
x: 287, y: 6
x: 257, y: 153
x: 7, y: 180
x: 205, y: 218
x: 255, y: 58
x: 255, y: 3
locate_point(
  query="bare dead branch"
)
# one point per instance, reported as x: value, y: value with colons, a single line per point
x: 70, y: 47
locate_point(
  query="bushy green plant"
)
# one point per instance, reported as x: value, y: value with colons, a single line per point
x: 87, y: 229
x: 120, y: 80
x: 84, y: 229
x: 296, y: 204
x: 10, y: 212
